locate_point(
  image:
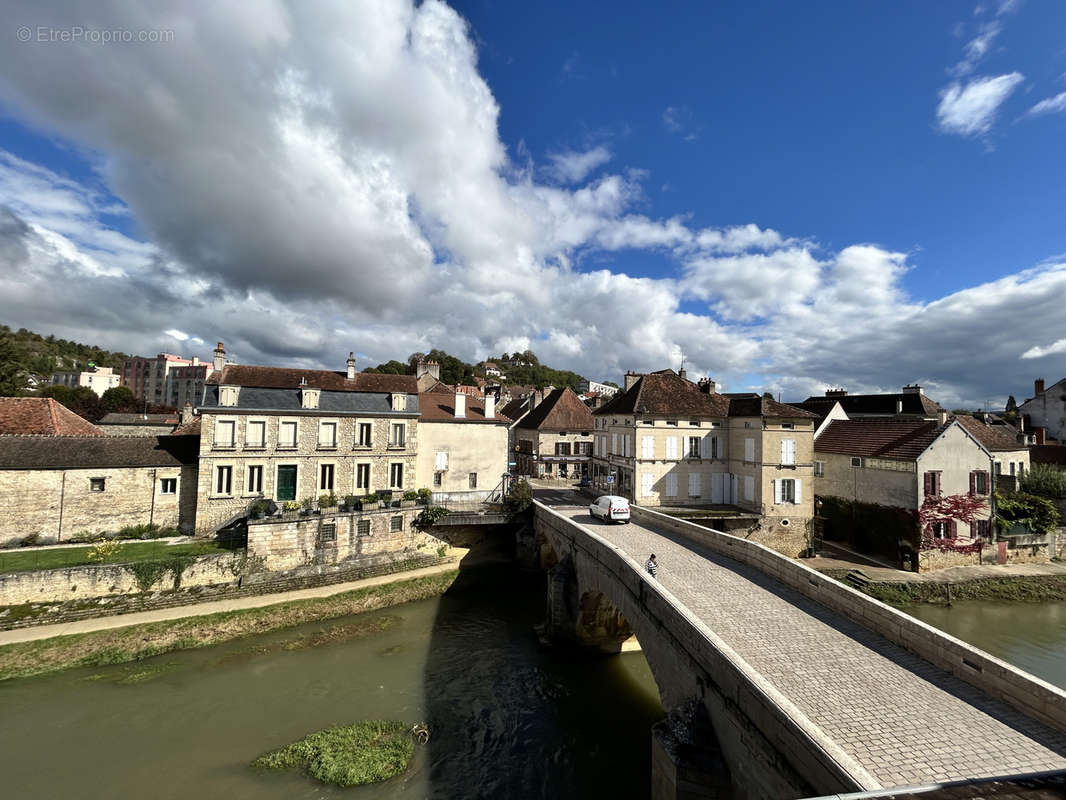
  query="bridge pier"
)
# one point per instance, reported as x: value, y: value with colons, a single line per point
x: 686, y: 762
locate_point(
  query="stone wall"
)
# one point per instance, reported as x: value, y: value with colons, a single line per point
x: 57, y: 503
x: 1000, y: 680
x: 293, y: 541
x: 109, y: 580
x: 1037, y: 552
x: 215, y: 510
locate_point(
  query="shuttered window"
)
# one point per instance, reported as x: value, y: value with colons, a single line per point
x: 694, y: 484
x: 749, y: 449
x: 647, y: 480
x: 441, y: 461
x: 647, y: 447
x: 749, y: 488
x: 671, y: 484
x: 671, y: 448
x: 788, y: 451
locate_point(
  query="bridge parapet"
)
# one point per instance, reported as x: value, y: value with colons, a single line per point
x: 776, y: 747
x: 1027, y: 693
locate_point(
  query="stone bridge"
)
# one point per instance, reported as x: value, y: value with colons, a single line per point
x: 778, y: 681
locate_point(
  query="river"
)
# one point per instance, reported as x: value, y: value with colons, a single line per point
x: 1031, y: 636
x: 508, y: 718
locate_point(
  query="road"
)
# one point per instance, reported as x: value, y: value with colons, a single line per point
x: 904, y: 720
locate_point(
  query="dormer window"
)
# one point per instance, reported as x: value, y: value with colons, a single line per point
x: 309, y: 398
x: 227, y: 395
x: 399, y: 401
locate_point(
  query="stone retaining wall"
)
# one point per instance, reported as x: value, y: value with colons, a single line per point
x: 999, y: 679
x: 106, y: 580
x: 266, y: 583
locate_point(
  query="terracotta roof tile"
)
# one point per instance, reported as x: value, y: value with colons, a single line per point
x: 188, y: 429
x: 562, y: 410
x: 42, y: 416
x: 286, y: 378
x: 666, y: 393
x: 440, y: 407
x: 993, y: 437
x: 882, y: 437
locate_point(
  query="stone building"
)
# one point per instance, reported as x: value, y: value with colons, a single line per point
x: 1045, y: 412
x: 1009, y: 457
x: 99, y: 379
x: 291, y: 434
x: 57, y: 486
x: 898, y: 463
x: 666, y: 441
x: 462, y: 446
x: 555, y: 438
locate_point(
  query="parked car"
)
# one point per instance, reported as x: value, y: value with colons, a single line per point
x: 585, y: 481
x: 610, y: 507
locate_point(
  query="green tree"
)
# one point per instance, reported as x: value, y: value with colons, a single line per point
x: 1012, y: 404
x: 12, y: 369
x: 118, y: 398
x: 61, y: 394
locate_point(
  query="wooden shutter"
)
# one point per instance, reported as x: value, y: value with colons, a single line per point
x: 927, y: 479
x: 973, y: 483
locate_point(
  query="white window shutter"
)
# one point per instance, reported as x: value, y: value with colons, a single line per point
x: 647, y: 447
x: 646, y: 481
x: 693, y: 484
x: 749, y: 487
x: 799, y: 491
x: 671, y: 485
x: 777, y: 491
x: 706, y: 448
x: 749, y: 449
x: 716, y: 447
x: 614, y: 442
x: 784, y: 451
x: 671, y: 448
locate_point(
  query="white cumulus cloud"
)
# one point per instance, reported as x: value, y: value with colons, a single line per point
x: 970, y: 109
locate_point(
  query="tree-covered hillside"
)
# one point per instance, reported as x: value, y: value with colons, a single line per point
x: 25, y: 355
x: 524, y: 369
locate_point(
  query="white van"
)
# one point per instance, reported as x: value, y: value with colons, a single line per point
x: 610, y: 507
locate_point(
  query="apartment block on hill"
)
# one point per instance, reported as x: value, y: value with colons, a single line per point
x: 99, y: 379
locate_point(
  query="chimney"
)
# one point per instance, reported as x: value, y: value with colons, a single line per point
x: 1038, y: 387
x: 460, y: 404
x: 631, y: 378
x: 836, y: 392
x: 490, y: 405
x: 942, y: 417
x: 351, y: 366
x: 681, y: 373
x: 220, y: 357
x: 912, y: 388
x: 187, y: 414
x: 899, y: 406
x: 196, y: 361
x: 706, y: 385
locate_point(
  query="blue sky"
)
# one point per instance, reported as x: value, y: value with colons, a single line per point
x: 810, y: 118
x: 793, y: 195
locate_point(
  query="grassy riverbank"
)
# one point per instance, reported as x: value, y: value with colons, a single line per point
x: 135, y: 642
x: 1022, y: 589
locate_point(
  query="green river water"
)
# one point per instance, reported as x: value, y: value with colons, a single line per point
x: 508, y: 718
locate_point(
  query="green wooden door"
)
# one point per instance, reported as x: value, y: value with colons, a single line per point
x: 286, y: 482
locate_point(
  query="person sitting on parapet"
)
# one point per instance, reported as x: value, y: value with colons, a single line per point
x: 651, y: 565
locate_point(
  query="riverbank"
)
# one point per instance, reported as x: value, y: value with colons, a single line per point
x: 1021, y: 589
x: 133, y: 642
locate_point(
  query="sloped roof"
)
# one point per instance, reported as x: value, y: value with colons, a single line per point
x: 188, y: 429
x: 666, y: 392
x: 759, y: 406
x: 881, y: 437
x: 286, y: 378
x: 139, y: 419
x: 993, y: 437
x: 97, y: 452
x: 440, y: 407
x: 516, y: 408
x: 42, y: 416
x: 912, y: 403
x: 562, y: 410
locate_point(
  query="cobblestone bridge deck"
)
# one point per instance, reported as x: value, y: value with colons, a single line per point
x: 903, y: 719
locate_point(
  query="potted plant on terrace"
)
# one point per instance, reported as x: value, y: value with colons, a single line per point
x: 371, y: 501
x: 386, y: 498
x: 307, y: 505
x: 410, y: 498
x: 326, y: 501
x: 350, y: 503
x: 258, y: 509
x: 424, y: 496
x: 290, y: 506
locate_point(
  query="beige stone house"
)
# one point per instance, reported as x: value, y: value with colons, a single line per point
x: 291, y: 434
x: 57, y: 486
x: 1009, y: 457
x: 666, y: 441
x: 462, y: 446
x: 554, y: 440
x: 1045, y: 412
x: 898, y: 463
